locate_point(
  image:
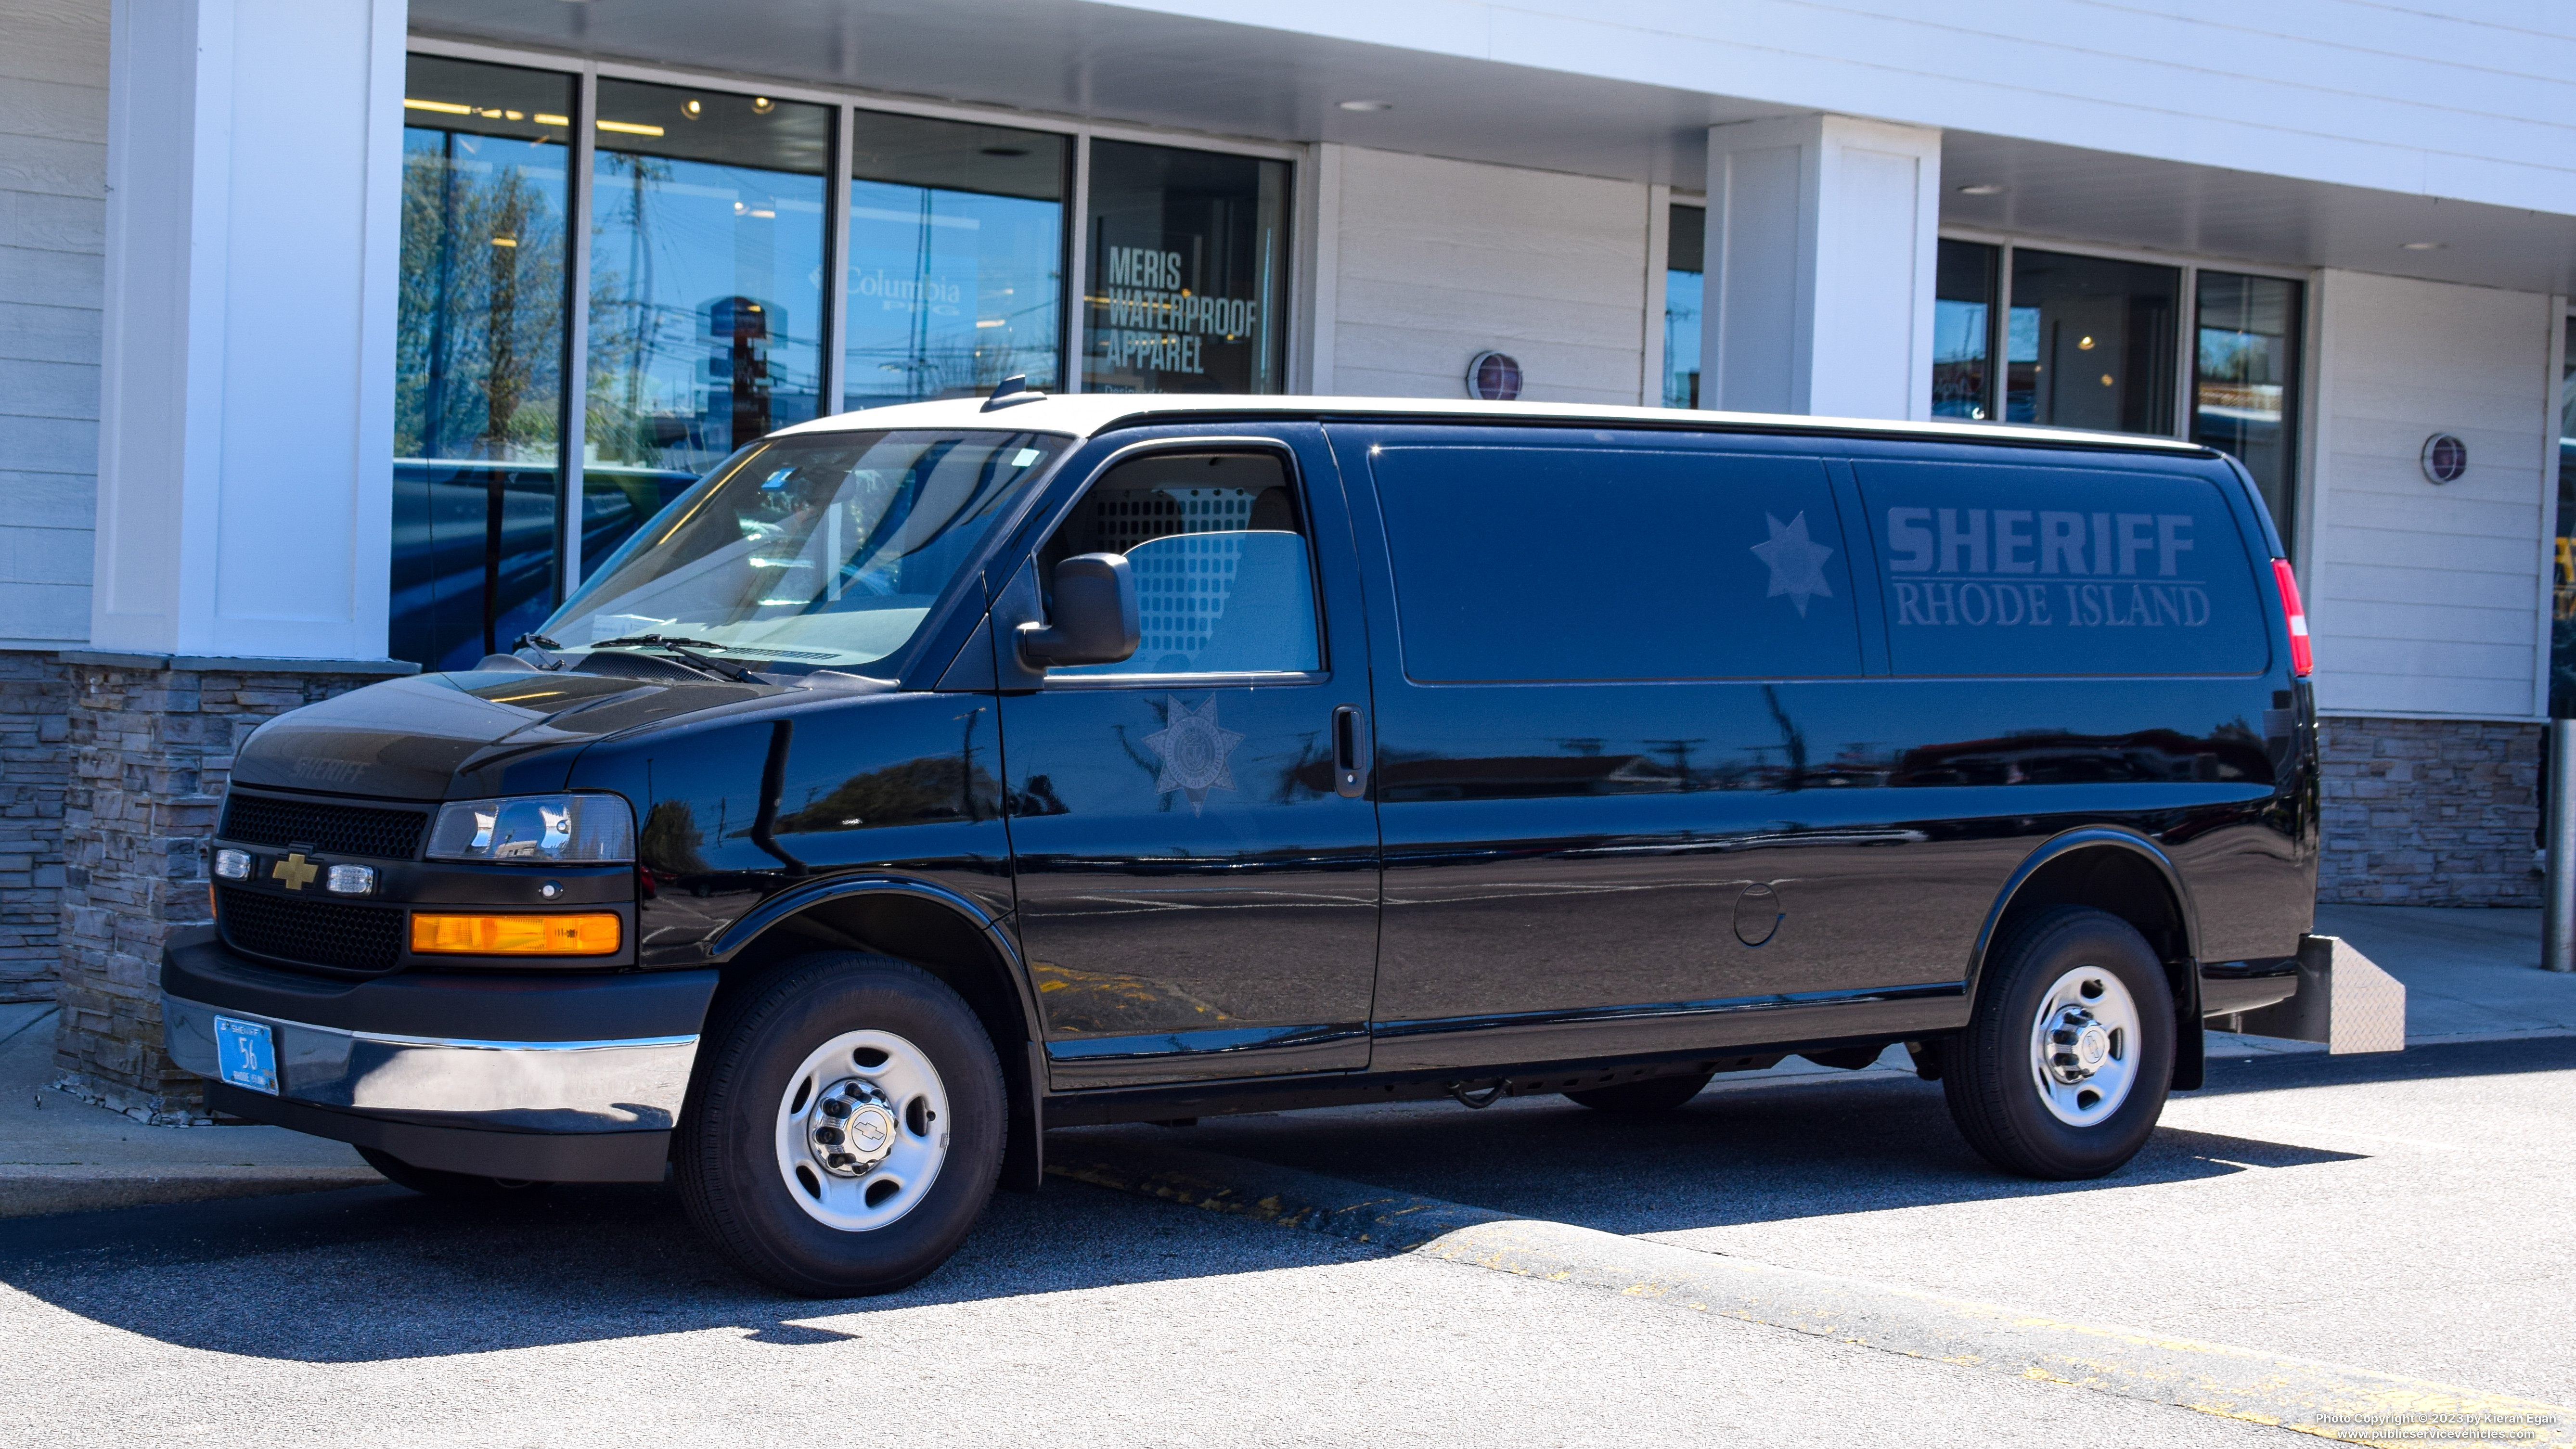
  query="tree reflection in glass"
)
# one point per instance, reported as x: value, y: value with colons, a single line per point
x: 478, y: 341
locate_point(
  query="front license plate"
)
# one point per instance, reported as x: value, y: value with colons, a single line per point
x: 248, y: 1054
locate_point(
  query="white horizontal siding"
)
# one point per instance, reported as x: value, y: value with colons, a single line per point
x: 2475, y: 101
x: 1436, y: 261
x: 2426, y: 599
x: 53, y: 167
x: 2409, y: 563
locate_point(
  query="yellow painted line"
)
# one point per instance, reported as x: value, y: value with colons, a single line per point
x: 2331, y: 1401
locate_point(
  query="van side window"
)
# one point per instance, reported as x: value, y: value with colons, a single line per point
x: 2061, y: 571
x: 1565, y: 563
x: 1218, y: 545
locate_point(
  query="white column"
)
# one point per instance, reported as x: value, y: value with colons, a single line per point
x: 1822, y: 232
x: 1319, y: 270
x: 246, y: 393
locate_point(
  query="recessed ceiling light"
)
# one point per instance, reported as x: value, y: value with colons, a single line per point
x: 2423, y: 246
x: 1368, y: 105
x: 1982, y: 188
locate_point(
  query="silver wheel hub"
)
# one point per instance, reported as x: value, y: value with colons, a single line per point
x: 2079, y: 1045
x: 862, y: 1130
x: 2084, y: 1046
x: 851, y: 1128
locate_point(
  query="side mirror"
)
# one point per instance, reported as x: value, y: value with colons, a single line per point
x: 1097, y: 619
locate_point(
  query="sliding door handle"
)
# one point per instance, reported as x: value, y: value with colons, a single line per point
x: 1350, y: 770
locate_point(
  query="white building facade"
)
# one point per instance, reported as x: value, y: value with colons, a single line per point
x: 338, y: 337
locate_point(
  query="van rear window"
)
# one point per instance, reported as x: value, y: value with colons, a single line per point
x: 2060, y: 571
x: 1552, y: 563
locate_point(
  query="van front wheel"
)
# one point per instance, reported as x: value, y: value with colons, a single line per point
x: 847, y: 1131
x: 2062, y: 1072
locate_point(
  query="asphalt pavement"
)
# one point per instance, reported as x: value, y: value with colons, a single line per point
x: 2396, y: 1213
x: 1076, y: 1316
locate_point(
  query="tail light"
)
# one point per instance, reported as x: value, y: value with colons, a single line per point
x: 2302, y: 662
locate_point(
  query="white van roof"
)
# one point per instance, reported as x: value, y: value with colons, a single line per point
x: 1083, y: 415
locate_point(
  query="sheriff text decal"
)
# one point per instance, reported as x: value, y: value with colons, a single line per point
x: 2040, y: 568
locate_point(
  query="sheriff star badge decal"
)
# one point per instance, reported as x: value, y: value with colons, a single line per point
x: 1797, y: 562
x: 1193, y: 748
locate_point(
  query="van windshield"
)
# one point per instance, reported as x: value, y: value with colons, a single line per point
x: 826, y: 551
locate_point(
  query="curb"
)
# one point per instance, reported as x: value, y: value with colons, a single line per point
x: 2330, y: 1401
x: 34, y: 1191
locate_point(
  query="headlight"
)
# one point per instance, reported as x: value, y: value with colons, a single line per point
x: 536, y: 830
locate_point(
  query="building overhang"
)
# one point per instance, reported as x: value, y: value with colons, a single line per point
x: 1143, y: 66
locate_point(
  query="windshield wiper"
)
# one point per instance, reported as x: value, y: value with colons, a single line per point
x: 686, y: 649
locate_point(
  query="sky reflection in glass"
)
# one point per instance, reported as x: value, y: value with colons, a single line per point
x: 706, y: 285
x: 956, y: 259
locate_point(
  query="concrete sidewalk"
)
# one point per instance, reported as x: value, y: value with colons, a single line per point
x: 2472, y: 973
x: 59, y: 1154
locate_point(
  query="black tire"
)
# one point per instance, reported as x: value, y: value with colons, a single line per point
x: 1988, y: 1071
x: 455, y: 1186
x: 1644, y: 1098
x: 727, y: 1152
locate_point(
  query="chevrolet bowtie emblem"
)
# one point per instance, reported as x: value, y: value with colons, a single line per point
x: 296, y: 871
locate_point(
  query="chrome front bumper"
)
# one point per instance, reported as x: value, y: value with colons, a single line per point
x: 528, y: 1086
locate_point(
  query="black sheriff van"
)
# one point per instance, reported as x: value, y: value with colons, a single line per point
x: 928, y: 777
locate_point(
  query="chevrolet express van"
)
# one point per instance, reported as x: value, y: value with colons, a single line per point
x: 927, y: 777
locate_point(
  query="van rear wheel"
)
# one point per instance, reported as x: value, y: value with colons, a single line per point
x: 846, y: 1131
x: 2062, y: 1072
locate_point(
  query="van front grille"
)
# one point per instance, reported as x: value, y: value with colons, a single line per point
x: 330, y: 829
x: 326, y: 934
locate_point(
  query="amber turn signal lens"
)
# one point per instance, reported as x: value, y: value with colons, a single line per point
x: 514, y: 935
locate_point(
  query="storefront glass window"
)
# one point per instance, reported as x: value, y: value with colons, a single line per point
x: 1963, y: 302
x: 1686, y: 257
x: 706, y: 290
x: 479, y: 343
x: 1189, y: 266
x: 2562, y: 613
x: 2090, y: 343
x: 706, y: 272
x: 956, y: 259
x: 2245, y: 375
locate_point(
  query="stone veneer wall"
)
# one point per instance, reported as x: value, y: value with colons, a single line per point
x: 35, y: 770
x: 151, y: 747
x: 2424, y: 812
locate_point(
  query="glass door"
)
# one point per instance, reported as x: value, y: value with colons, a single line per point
x: 2090, y: 343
